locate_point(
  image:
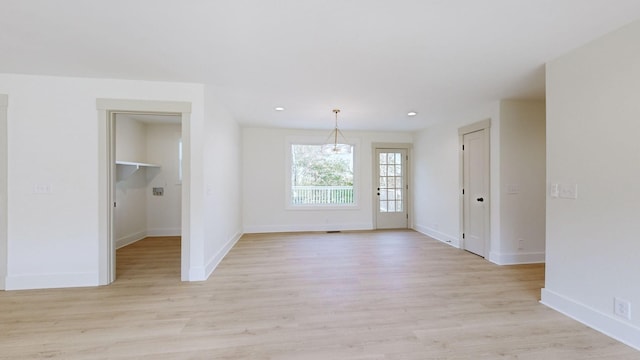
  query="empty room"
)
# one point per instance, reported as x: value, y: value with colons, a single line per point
x: 329, y: 179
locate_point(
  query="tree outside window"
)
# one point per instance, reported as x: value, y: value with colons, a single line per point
x: 319, y: 178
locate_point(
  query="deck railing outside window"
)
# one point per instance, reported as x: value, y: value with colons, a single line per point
x: 329, y: 195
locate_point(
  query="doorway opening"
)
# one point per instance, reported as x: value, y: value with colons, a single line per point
x: 110, y: 172
x: 148, y: 183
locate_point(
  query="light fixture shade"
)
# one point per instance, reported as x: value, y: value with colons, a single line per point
x: 335, y: 147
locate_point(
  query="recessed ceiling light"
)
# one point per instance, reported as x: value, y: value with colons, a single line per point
x: 412, y: 113
x: 279, y: 108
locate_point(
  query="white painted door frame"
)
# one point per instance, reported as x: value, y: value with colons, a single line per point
x: 4, y: 242
x: 106, y: 175
x: 374, y: 175
x: 486, y: 126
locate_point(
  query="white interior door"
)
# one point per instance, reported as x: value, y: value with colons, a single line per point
x: 475, y: 197
x: 391, y: 189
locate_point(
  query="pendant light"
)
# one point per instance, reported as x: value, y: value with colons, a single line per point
x: 335, y: 147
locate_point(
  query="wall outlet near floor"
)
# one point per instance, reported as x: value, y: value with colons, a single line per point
x: 622, y: 308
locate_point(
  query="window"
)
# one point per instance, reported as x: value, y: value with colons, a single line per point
x: 319, y: 178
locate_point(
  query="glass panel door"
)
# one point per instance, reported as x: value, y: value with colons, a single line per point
x: 391, y: 188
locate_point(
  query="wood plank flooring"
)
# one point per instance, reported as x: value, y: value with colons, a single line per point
x: 385, y: 295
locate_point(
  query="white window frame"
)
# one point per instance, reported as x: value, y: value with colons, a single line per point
x: 320, y: 140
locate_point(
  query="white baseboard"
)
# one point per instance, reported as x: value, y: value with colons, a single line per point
x: 130, y: 239
x: 51, y: 281
x: 305, y: 228
x: 447, y: 239
x: 164, y: 232
x: 604, y: 323
x: 202, y: 273
x: 517, y: 258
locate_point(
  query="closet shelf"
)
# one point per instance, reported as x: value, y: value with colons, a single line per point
x: 136, y: 164
x: 124, y: 169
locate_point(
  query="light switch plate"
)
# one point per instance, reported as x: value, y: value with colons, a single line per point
x: 568, y: 191
x: 42, y: 188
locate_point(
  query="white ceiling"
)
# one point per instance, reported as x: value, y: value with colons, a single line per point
x: 374, y: 59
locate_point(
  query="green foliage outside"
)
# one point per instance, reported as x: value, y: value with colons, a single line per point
x: 312, y: 167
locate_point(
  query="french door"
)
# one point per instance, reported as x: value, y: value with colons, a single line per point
x: 391, y: 189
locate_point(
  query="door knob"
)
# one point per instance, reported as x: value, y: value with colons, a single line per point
x: 480, y: 199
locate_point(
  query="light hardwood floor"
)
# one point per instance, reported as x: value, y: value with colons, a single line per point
x: 356, y: 296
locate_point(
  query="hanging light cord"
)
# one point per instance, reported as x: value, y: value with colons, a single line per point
x: 335, y: 140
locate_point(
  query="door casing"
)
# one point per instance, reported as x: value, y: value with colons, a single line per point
x: 106, y: 177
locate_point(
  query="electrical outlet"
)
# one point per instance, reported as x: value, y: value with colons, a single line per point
x: 622, y: 308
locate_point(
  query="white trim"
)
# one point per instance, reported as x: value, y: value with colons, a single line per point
x: 130, y: 239
x: 517, y: 258
x: 607, y: 324
x: 306, y: 228
x: 143, y: 106
x: 164, y: 232
x: 106, y: 164
x: 202, y: 274
x: 137, y: 236
x: 476, y: 126
x: 4, y: 240
x: 434, y: 234
x: 51, y: 281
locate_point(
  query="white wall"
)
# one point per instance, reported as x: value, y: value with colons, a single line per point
x: 265, y: 171
x: 139, y: 213
x: 593, y: 122
x: 521, y: 183
x: 163, y: 212
x: 436, y: 164
x: 222, y: 182
x: 53, y: 144
x: 517, y: 160
x: 131, y: 139
x: 130, y: 220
